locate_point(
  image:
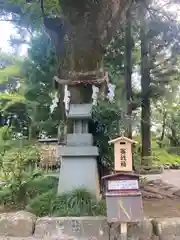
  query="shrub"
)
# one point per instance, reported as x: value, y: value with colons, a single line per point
x: 41, y: 185
x: 28, y: 155
x: 18, y: 170
x: 31, y: 154
x: 60, y: 207
x: 173, y: 150
x: 161, y: 157
x: 42, y: 205
x: 6, y: 197
x: 76, y: 203
x: 99, y: 208
x: 105, y: 125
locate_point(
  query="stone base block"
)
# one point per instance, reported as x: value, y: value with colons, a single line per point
x: 79, y: 172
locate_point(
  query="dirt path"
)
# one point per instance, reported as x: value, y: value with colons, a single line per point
x: 167, y: 206
x: 168, y: 176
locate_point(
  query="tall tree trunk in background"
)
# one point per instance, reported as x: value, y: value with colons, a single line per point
x: 128, y: 71
x: 1, y: 119
x: 163, y: 129
x: 145, y: 89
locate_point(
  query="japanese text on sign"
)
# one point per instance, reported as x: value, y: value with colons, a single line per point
x: 123, y: 185
x: 123, y: 157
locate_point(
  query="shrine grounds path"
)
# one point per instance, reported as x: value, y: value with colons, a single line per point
x: 168, y: 176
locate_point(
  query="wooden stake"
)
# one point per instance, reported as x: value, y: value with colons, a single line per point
x: 123, y: 231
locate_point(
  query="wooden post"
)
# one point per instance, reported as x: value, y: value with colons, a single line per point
x: 123, y: 227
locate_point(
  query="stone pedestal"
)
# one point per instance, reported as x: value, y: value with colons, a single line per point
x: 78, y: 170
x: 78, y: 157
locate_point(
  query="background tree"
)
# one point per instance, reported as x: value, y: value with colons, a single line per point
x: 39, y: 69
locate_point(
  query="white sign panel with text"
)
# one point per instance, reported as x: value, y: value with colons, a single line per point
x: 123, y: 184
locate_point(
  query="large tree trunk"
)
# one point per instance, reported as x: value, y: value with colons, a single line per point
x: 87, y: 26
x: 145, y: 90
x: 128, y: 71
x: 84, y: 31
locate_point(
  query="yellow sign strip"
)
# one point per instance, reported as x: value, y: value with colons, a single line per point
x: 124, y: 210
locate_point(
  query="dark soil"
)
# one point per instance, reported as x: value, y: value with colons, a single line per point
x: 162, y: 208
x: 160, y: 199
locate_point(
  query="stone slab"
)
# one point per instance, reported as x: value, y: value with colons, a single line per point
x: 55, y: 237
x: 78, y: 151
x: 85, y: 139
x: 167, y: 229
x: 19, y: 224
x: 24, y: 226
x: 80, y: 111
x: 91, y: 228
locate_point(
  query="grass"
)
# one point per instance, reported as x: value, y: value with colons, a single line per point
x: 162, y: 157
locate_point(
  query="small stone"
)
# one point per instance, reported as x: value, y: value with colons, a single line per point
x: 158, y: 191
x: 155, y: 182
x: 168, y: 187
x: 177, y: 193
x: 175, y: 166
x: 166, y: 166
x: 148, y: 195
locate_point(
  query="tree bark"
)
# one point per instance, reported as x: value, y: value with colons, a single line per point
x: 85, y: 30
x: 173, y: 138
x: 163, y: 129
x: 145, y: 90
x: 128, y: 71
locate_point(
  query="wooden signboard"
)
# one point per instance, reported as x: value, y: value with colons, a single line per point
x: 123, y: 198
x: 122, y: 154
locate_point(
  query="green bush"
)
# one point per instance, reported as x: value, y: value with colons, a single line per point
x: 9, y: 194
x: 18, y: 171
x: 99, y: 208
x: 160, y: 156
x: 42, y: 205
x: 173, y: 150
x: 77, y: 203
x: 29, y: 156
x: 60, y: 207
x: 105, y: 125
x: 6, y: 197
x: 41, y: 185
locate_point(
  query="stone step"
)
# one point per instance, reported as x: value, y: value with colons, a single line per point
x: 44, y: 238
